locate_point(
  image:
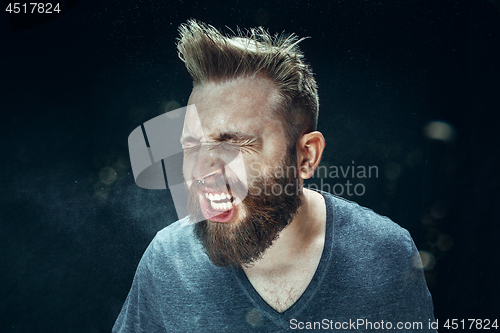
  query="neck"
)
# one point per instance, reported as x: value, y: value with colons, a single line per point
x: 306, y: 231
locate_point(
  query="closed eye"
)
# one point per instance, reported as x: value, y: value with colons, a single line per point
x: 190, y: 149
x: 249, y: 145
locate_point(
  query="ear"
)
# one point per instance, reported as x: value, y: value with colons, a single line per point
x: 309, y: 151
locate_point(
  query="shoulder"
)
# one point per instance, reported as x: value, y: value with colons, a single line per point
x: 376, y: 264
x: 166, y: 274
x: 178, y: 235
x: 171, y: 247
x: 363, y: 235
x: 352, y: 219
x: 374, y: 251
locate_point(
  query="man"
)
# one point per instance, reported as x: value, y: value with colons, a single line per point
x: 268, y: 255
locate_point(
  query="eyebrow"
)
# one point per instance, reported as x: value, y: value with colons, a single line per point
x: 184, y: 139
x: 234, y: 137
x: 224, y: 137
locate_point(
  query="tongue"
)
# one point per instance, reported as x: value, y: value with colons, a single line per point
x: 217, y: 215
x: 223, y: 216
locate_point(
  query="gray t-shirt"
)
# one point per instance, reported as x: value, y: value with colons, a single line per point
x: 368, y: 278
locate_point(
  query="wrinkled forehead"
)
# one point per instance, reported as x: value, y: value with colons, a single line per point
x: 192, y: 122
x: 244, y: 104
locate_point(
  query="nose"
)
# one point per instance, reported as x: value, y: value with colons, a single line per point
x: 208, y: 164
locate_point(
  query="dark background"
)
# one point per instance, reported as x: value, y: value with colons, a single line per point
x: 73, y: 225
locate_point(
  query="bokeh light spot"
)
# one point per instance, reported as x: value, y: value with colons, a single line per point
x: 440, y: 130
x: 169, y: 106
x: 424, y: 260
x: 101, y: 191
x: 254, y: 317
x: 107, y: 175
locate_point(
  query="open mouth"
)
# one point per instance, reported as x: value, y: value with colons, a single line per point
x: 218, y: 206
x: 220, y: 201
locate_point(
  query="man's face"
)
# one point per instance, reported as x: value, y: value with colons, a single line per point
x: 232, y: 149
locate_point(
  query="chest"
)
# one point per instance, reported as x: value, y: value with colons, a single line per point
x: 281, y: 291
x: 283, y: 285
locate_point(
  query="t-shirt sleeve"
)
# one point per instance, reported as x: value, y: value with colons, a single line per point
x: 381, y: 274
x: 141, y: 311
x: 414, y: 300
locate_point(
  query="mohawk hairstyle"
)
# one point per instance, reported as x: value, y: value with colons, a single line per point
x: 210, y: 56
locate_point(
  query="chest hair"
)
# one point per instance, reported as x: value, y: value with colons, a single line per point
x: 282, y: 289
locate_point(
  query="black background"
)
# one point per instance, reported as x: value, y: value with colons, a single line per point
x: 72, y: 89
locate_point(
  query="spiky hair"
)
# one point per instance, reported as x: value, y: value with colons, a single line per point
x: 210, y: 56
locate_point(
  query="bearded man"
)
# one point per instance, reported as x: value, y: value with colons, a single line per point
x: 268, y: 255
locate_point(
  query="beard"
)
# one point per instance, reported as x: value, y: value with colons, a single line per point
x: 268, y: 210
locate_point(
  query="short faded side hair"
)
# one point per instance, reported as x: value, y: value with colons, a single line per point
x: 212, y: 57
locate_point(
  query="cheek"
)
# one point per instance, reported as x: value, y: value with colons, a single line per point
x: 278, y: 152
x: 235, y: 167
x: 254, y: 169
x: 187, y: 170
x: 275, y: 146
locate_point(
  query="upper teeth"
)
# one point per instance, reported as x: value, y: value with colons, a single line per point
x: 218, y: 196
x: 220, y: 206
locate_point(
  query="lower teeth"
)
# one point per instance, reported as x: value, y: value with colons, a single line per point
x: 221, y: 206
